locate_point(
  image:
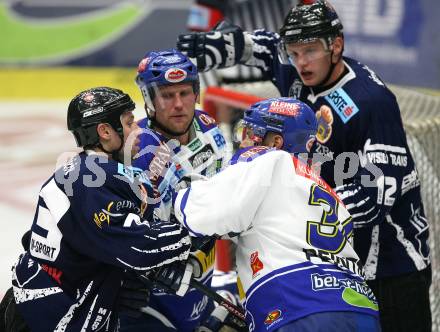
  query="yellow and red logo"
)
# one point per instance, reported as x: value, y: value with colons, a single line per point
x: 272, y: 316
x: 256, y: 264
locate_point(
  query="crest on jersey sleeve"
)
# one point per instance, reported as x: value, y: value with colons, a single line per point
x: 256, y: 264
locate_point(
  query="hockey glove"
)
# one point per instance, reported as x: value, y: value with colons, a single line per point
x: 202, y: 255
x: 133, y: 296
x: 173, y: 278
x: 223, y: 47
x: 10, y: 317
x: 219, y: 318
x: 26, y: 240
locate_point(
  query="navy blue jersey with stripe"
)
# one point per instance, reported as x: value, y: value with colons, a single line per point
x: 92, y: 223
x: 359, y: 118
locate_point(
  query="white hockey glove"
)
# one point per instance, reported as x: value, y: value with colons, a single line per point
x: 219, y: 318
x: 223, y: 47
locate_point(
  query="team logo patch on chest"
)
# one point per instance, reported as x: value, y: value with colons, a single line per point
x: 256, y: 264
x: 325, y: 122
x: 206, y: 154
x: 342, y: 104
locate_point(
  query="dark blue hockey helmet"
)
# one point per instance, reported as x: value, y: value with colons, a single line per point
x: 291, y: 118
x: 158, y: 68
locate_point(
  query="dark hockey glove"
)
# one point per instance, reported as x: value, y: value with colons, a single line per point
x: 220, y: 48
x: 26, y: 240
x: 173, y: 278
x: 133, y: 296
x: 10, y: 317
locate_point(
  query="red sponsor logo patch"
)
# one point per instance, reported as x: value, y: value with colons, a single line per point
x: 175, y: 75
x: 256, y: 264
x: 283, y: 108
x: 348, y: 111
x: 272, y: 316
x: 143, y: 64
x: 53, y: 272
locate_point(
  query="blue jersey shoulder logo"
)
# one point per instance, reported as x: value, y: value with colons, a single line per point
x: 342, y: 104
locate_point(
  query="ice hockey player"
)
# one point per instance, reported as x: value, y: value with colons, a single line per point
x: 358, y: 116
x: 92, y: 225
x: 294, y: 253
x: 178, y: 141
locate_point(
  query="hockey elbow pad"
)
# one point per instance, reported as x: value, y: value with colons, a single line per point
x: 223, y: 47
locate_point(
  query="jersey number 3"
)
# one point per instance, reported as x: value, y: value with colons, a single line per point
x: 330, y: 233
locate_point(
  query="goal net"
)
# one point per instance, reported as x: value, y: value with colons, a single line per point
x: 421, y: 118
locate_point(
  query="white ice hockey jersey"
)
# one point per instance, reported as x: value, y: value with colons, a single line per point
x: 294, y: 253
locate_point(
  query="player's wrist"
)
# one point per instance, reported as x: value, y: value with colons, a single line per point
x: 248, y: 47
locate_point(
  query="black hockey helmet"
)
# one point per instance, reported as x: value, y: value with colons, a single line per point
x: 306, y: 23
x: 94, y: 106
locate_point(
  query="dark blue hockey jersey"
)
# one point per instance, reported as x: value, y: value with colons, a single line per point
x: 92, y: 222
x: 165, y: 162
x: 359, y: 118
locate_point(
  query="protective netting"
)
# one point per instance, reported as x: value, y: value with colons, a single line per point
x: 421, y: 118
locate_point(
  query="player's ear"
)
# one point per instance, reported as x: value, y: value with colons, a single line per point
x: 338, y: 47
x: 278, y: 142
x: 103, y: 131
x: 273, y: 140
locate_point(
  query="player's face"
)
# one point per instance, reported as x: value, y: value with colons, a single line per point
x: 174, y: 105
x: 244, y: 135
x: 311, y: 60
x: 131, y: 131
